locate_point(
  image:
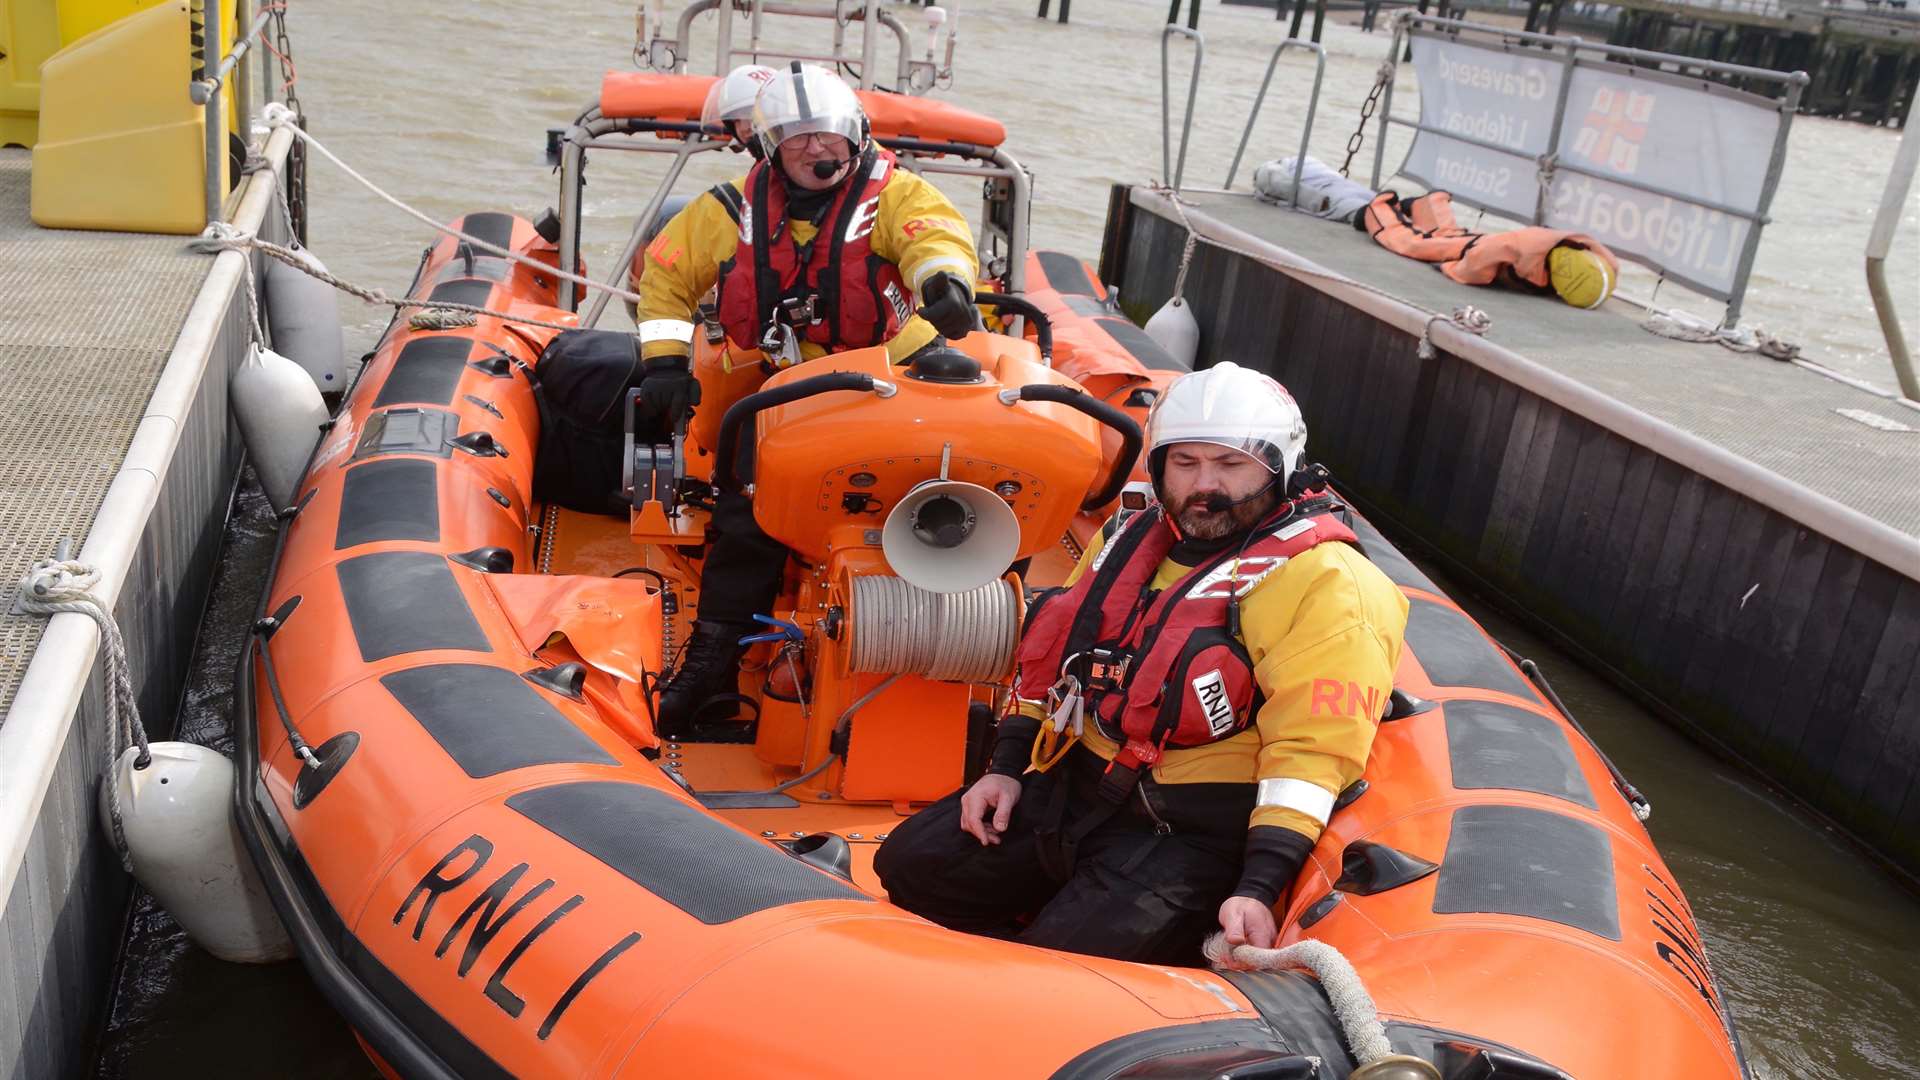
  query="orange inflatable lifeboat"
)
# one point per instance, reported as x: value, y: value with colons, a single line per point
x: 493, y: 867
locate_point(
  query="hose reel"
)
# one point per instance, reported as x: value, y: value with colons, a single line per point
x: 898, y: 628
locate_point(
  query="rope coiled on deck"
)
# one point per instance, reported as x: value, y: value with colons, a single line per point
x: 898, y: 627
x: 65, y: 586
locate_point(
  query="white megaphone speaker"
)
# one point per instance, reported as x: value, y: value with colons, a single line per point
x: 948, y: 536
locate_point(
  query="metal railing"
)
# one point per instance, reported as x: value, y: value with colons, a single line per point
x: 216, y: 69
x: 912, y: 74
x: 1572, y: 53
x: 1880, y: 241
x: 1306, y: 129
x: 1170, y: 169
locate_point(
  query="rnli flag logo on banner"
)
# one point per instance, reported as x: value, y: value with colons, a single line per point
x: 1615, y: 124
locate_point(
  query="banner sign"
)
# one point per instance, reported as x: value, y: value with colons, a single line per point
x: 1639, y: 133
x: 1505, y: 97
x: 1648, y: 166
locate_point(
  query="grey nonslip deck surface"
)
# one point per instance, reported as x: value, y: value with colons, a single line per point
x: 87, y: 321
x: 1779, y: 416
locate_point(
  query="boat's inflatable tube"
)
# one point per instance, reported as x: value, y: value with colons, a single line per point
x: 177, y: 814
x: 490, y: 878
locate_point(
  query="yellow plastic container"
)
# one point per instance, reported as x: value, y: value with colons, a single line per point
x: 122, y: 145
x: 30, y: 32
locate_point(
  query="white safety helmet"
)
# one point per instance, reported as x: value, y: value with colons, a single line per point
x: 1230, y: 406
x: 804, y: 99
x: 732, y: 95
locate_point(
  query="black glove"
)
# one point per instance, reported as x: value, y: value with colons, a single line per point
x: 947, y: 303
x: 668, y: 393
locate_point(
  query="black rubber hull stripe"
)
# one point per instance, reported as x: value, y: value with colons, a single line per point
x: 1453, y: 651
x: 1065, y: 274
x: 679, y: 853
x: 1295, y: 1007
x: 489, y: 720
x: 426, y: 372
x: 1160, y: 1044
x: 472, y: 291
x: 406, y: 601
x: 1491, y: 745
x: 1135, y: 341
x: 409, y: 1036
x: 489, y: 226
x: 1398, y: 568
x: 397, y: 499
x: 1515, y: 860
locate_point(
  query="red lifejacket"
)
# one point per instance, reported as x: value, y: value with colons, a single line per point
x: 1129, y: 645
x: 1424, y: 228
x: 858, y: 298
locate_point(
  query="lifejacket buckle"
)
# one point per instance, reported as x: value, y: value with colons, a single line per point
x: 1106, y: 669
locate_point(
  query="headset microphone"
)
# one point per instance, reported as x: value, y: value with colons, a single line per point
x: 824, y: 170
x: 1218, y: 503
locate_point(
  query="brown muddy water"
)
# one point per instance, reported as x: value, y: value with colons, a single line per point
x: 446, y: 105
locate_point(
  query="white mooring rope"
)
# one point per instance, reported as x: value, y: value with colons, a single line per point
x: 1679, y: 326
x: 1352, y: 1005
x: 53, y: 586
x: 277, y: 115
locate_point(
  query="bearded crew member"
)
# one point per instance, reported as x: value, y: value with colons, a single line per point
x: 824, y: 246
x: 1189, y: 706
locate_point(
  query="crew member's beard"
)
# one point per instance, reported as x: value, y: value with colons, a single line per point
x: 1198, y: 523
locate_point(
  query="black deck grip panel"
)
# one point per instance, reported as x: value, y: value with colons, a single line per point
x: 392, y: 499
x: 1391, y: 561
x: 1514, y: 860
x: 471, y: 291
x: 1500, y: 746
x: 1135, y: 340
x: 698, y: 864
x: 1066, y: 274
x: 489, y: 720
x: 489, y: 226
x: 406, y: 601
x: 408, y: 431
x: 1454, y: 652
x: 426, y: 372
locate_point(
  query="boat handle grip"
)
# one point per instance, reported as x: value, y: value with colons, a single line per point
x: 737, y: 415
x: 1018, y: 305
x: 1075, y: 398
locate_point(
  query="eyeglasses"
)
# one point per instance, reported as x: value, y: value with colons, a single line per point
x: 819, y: 140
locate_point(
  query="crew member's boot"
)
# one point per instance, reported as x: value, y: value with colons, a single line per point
x: 709, y: 666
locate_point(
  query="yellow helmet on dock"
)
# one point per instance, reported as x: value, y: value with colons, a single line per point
x: 1581, y: 277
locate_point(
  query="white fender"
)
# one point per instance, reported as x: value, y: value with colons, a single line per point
x: 304, y: 317
x: 1177, y: 331
x: 280, y: 413
x: 178, y: 817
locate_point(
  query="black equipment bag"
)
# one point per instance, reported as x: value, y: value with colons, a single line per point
x: 584, y: 379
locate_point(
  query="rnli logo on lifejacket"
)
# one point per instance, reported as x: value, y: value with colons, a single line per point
x: 1210, y: 690
x: 1236, y: 578
x: 902, y: 311
x: 1616, y: 122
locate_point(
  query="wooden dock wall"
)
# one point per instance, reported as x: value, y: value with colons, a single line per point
x: 1771, y: 641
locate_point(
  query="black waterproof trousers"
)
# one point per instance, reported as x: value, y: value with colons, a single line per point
x: 744, y: 565
x: 1135, y: 889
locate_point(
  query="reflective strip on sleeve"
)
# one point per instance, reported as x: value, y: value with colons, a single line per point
x: 666, y: 330
x: 1308, y: 798
x: 950, y: 263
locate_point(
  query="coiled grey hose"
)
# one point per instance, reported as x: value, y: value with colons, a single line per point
x: 949, y: 637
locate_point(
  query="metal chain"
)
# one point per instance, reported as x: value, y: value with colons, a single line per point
x: 1366, y: 113
x: 283, y: 49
